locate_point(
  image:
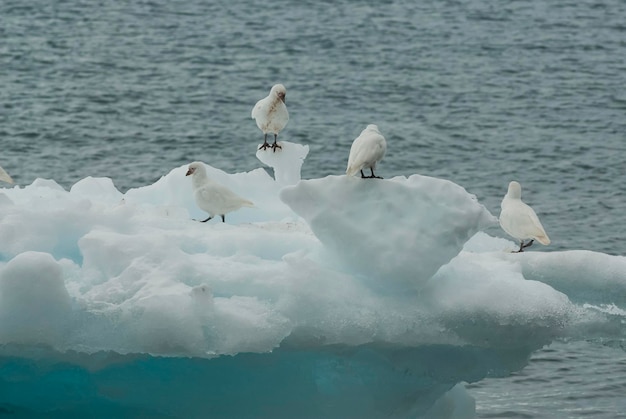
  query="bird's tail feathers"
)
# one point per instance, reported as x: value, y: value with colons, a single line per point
x: 4, y: 176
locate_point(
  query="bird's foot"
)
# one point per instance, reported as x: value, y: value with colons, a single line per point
x: 275, y: 146
x: 203, y: 221
x: 530, y: 243
x: 265, y: 146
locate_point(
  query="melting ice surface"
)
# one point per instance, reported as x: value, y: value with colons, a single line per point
x: 334, y: 297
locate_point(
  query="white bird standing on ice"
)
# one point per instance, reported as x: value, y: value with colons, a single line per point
x: 367, y: 150
x: 519, y: 220
x: 4, y: 176
x: 271, y: 114
x: 213, y: 197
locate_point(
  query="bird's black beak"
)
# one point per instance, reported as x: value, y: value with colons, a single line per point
x: 189, y: 172
x: 282, y: 97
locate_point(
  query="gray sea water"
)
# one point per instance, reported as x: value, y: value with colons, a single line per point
x: 478, y: 92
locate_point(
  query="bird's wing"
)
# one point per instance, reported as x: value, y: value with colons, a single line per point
x: 535, y: 228
x: 4, y: 176
x: 352, y: 167
x: 205, y: 198
x: 524, y: 223
x: 221, y: 197
x: 256, y: 111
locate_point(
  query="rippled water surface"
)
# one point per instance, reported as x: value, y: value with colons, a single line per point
x: 573, y: 380
x: 478, y: 92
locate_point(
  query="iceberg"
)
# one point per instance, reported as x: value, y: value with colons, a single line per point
x: 333, y: 297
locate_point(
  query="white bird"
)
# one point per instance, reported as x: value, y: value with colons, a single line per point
x: 271, y: 114
x: 213, y: 197
x: 519, y: 220
x: 4, y: 176
x: 367, y: 150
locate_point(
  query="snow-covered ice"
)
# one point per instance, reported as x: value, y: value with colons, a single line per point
x: 286, y: 163
x: 402, y: 229
x: 334, y: 296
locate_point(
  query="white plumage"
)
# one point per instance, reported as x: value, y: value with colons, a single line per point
x: 519, y: 220
x: 4, y: 176
x: 367, y: 150
x: 213, y: 197
x: 271, y: 114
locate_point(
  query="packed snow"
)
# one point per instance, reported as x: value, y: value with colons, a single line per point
x: 341, y: 284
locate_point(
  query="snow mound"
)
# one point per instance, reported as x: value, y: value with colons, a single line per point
x: 396, y: 230
x: 34, y: 304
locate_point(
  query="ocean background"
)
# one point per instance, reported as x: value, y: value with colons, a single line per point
x: 477, y: 92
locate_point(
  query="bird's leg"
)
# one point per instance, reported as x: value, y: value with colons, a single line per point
x: 204, y: 221
x: 523, y: 246
x: 275, y: 146
x: 372, y: 176
x: 265, y: 143
x: 223, y: 218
